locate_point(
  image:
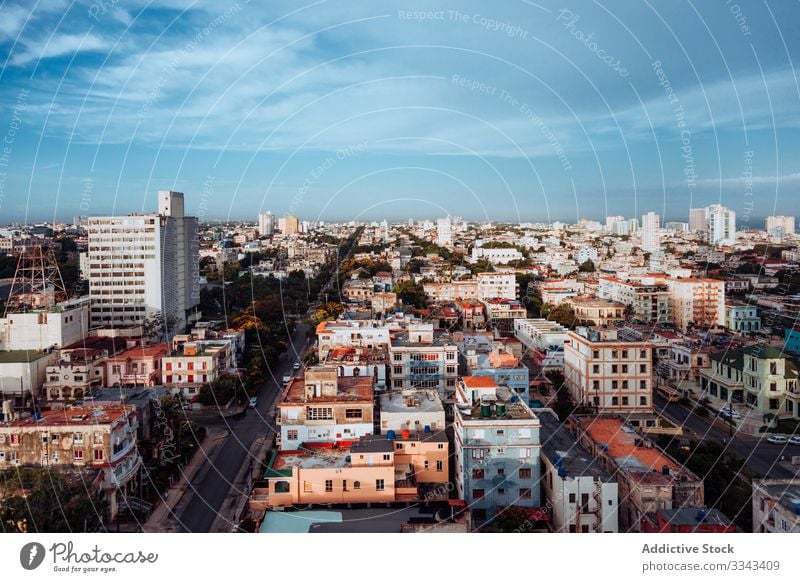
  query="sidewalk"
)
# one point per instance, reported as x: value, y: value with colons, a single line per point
x: 163, y: 518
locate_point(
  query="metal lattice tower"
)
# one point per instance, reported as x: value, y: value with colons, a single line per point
x: 37, y: 281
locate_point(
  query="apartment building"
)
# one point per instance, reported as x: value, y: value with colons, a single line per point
x: 776, y: 505
x: 451, y: 291
x: 607, y: 372
x: 76, y: 373
x: 720, y: 225
x: 373, y: 469
x: 648, y: 297
x: 543, y: 341
x: 190, y: 365
x: 697, y: 303
x: 497, y: 448
x: 497, y: 284
x: 480, y: 356
x: 501, y: 313
x: 472, y: 314
x: 496, y: 256
x: 412, y: 410
x: 323, y: 407
x: 423, y: 358
x: 648, y: 479
x: 651, y: 232
x: 100, y: 438
x: 144, y: 264
x: 595, y: 311
x: 582, y: 496
x: 779, y: 226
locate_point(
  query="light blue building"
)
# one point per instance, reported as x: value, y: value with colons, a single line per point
x: 477, y: 358
x: 791, y: 340
x: 497, y: 449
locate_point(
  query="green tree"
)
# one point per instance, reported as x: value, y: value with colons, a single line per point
x: 411, y: 293
x: 587, y: 266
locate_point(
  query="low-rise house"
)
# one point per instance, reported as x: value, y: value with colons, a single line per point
x: 374, y: 469
x: 190, y: 366
x: 595, y: 311
x: 472, y: 314
x: 686, y: 520
x: 421, y: 357
x: 501, y: 313
x: 741, y: 317
x: 137, y: 366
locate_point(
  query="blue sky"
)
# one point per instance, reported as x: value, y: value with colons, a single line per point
x: 339, y: 110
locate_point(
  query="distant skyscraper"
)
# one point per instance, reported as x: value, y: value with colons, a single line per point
x: 143, y: 264
x: 697, y: 219
x: 780, y: 226
x: 720, y: 225
x: 266, y: 224
x: 651, y: 224
x: 444, y: 232
x: 291, y: 225
x: 612, y: 220
x: 411, y: 222
x: 677, y: 226
x: 622, y: 228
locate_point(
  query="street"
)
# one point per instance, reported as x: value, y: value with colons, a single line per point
x: 761, y: 457
x: 216, y: 484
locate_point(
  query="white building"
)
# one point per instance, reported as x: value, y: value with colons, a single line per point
x: 697, y: 219
x: 422, y: 358
x: 776, y: 505
x: 144, y: 264
x: 698, y: 303
x: 544, y: 339
x: 581, y: 494
x: 720, y: 225
x: 651, y: 236
x: 499, y: 256
x: 613, y: 220
x: 503, y: 285
x: 61, y: 325
x: 266, y: 224
x: 780, y: 226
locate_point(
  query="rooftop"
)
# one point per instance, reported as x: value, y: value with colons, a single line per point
x: 21, y: 356
x: 630, y: 451
x: 141, y: 353
x: 411, y: 400
x: 785, y: 491
x: 684, y: 516
x: 348, y: 389
x: 558, y: 441
x: 75, y: 416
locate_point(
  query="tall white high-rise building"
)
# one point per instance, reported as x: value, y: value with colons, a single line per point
x: 444, y: 232
x: 144, y: 264
x: 651, y: 224
x: 780, y: 226
x: 613, y: 220
x: 697, y: 219
x: 720, y: 225
x: 266, y: 224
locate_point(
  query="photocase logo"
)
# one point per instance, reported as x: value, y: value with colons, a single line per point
x: 31, y: 555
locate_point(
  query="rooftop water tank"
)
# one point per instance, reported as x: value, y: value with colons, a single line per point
x: 500, y: 409
x: 390, y: 435
x: 406, y: 433
x: 486, y: 410
x: 562, y: 472
x: 427, y: 428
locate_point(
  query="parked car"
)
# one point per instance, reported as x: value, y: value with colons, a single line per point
x: 253, y: 401
x: 777, y: 439
x: 296, y: 366
x: 287, y: 379
x: 795, y: 440
x: 730, y: 412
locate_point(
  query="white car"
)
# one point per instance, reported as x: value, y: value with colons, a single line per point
x: 253, y: 401
x: 794, y: 440
x: 730, y: 412
x: 777, y: 439
x: 296, y: 366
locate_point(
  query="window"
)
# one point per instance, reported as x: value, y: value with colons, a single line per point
x: 54, y: 456
x: 642, y: 384
x: 387, y: 457
x: 524, y: 453
x: 501, y: 472
x: 97, y: 438
x: 281, y: 487
x: 613, y: 353
x: 356, y: 484
x: 773, y: 368
x: 525, y: 473
x: 291, y: 435
x: 624, y: 384
x: 77, y: 455
x: 477, y: 473
x: 624, y: 368
x: 614, y: 384
x: 477, y: 453
x: 14, y: 439
x: 500, y: 432
x: 308, y: 487
x: 477, y: 493
x: 352, y: 413
x: 773, y: 386
x: 397, y: 370
x: 614, y: 368
x: 642, y: 353
x: 98, y: 454
x: 624, y: 401
x: 595, y: 369
x: 596, y: 384
x: 379, y: 485
x: 439, y: 466
x: 440, y: 446
x: 525, y: 493
x: 614, y: 401
x: 319, y: 413
x: 397, y: 357
x: 328, y: 485
x: 596, y: 354
x: 643, y: 368
x: 78, y: 438
x: 425, y: 464
x: 643, y: 400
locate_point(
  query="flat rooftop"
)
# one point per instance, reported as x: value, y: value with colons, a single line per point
x: 440, y: 338
x: 411, y: 401
x: 348, y: 389
x: 558, y: 441
x: 21, y: 356
x: 785, y: 491
x: 74, y: 416
x: 318, y: 459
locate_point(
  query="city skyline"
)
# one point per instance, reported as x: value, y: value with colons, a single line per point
x: 366, y: 114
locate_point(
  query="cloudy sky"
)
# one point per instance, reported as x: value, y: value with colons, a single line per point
x: 509, y: 110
